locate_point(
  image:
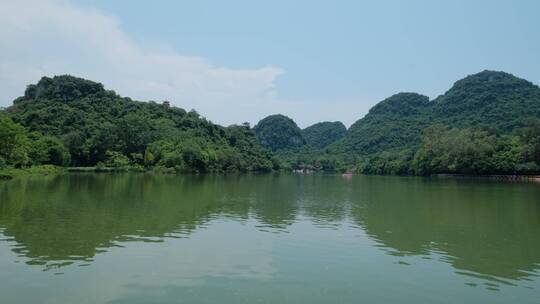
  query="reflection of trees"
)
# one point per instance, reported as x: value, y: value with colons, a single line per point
x: 488, y: 229
x: 274, y: 201
x: 325, y: 199
x: 485, y: 228
x: 73, y: 217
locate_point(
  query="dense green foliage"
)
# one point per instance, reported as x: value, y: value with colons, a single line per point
x: 463, y: 151
x: 301, y: 149
x: 66, y: 120
x: 477, y: 151
x: 37, y: 170
x: 485, y: 124
x: 308, y: 159
x: 476, y: 127
x: 279, y: 132
x: 395, y: 122
x: 14, y: 143
x: 322, y: 134
x: 495, y: 99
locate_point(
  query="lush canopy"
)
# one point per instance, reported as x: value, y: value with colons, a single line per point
x: 66, y: 120
x: 486, y: 123
x: 322, y: 134
x: 477, y: 127
x: 279, y: 132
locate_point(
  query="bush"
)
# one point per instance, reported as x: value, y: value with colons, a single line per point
x: 49, y: 150
x: 116, y: 160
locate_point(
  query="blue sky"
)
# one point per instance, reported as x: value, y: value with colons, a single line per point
x: 311, y: 60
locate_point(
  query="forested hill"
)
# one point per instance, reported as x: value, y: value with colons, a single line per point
x: 66, y: 120
x: 495, y: 99
x: 394, y: 123
x: 322, y: 134
x: 486, y: 123
x: 279, y: 132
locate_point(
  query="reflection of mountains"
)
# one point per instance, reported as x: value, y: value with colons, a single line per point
x: 483, y: 229
x: 73, y: 217
x: 487, y: 229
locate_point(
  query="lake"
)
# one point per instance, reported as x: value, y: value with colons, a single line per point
x: 143, y: 238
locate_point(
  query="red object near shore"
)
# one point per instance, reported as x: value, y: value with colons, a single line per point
x: 347, y: 174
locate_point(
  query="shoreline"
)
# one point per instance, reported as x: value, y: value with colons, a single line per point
x: 48, y: 170
x: 43, y: 170
x: 498, y: 177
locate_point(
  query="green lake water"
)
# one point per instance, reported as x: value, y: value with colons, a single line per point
x: 142, y: 238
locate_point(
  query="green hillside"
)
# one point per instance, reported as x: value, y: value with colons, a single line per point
x: 480, y: 126
x: 497, y: 99
x: 279, y: 132
x: 487, y: 123
x: 394, y: 123
x: 322, y: 134
x: 91, y: 126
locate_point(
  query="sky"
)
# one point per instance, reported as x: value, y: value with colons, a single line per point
x: 238, y: 60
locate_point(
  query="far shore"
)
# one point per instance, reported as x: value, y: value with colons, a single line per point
x: 50, y: 170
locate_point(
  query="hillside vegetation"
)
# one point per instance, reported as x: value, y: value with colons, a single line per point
x: 323, y: 134
x: 279, y: 132
x: 69, y: 121
x: 394, y: 123
x: 486, y: 123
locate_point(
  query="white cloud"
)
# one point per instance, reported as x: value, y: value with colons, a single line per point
x: 51, y: 37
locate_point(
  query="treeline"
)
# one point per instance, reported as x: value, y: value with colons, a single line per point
x: 485, y: 124
x: 20, y: 148
x: 443, y: 150
x: 69, y: 121
x: 472, y: 151
x: 308, y: 158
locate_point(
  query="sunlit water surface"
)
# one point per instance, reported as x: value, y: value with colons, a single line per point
x: 136, y: 238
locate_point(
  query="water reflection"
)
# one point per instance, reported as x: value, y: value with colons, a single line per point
x: 485, y: 230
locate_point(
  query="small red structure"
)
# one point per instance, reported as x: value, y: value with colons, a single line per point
x: 347, y: 175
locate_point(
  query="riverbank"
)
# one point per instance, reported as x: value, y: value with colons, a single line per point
x: 10, y: 173
x: 512, y: 178
x: 106, y: 169
x: 44, y: 170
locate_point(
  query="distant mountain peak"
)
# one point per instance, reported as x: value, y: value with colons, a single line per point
x: 400, y: 102
x: 487, y: 79
x: 278, y: 132
x: 324, y: 133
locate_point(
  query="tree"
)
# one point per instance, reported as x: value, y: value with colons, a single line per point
x: 530, y: 137
x: 116, y: 160
x: 48, y: 150
x: 14, y: 143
